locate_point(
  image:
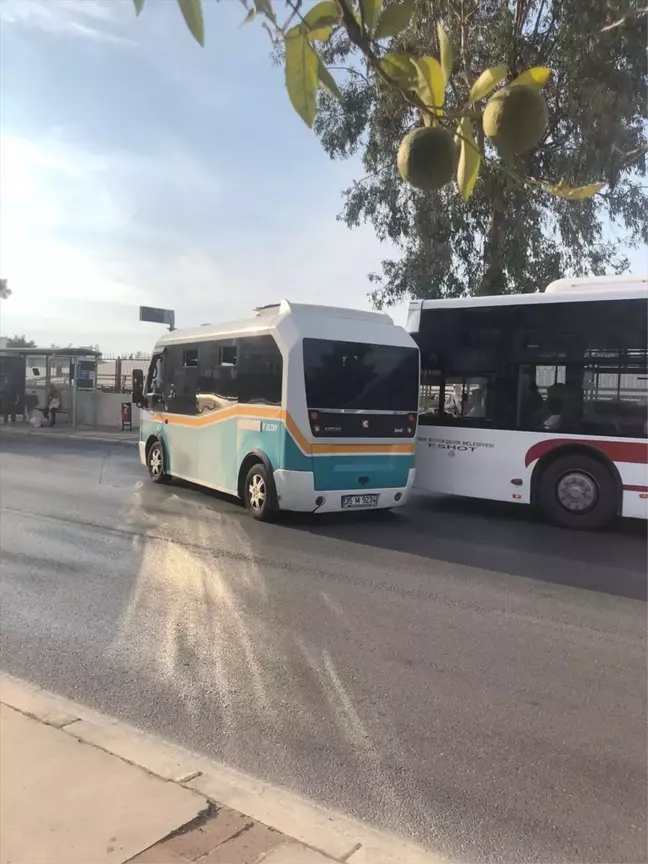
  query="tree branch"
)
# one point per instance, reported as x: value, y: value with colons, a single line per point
x: 351, y: 71
x: 464, y: 54
x: 555, y: 13
x: 630, y: 14
x: 538, y: 20
x: 634, y: 155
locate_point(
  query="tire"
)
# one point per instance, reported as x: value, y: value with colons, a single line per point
x: 155, y: 463
x: 578, y: 492
x: 259, y: 494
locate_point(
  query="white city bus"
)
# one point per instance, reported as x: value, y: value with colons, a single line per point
x: 301, y: 407
x: 538, y: 398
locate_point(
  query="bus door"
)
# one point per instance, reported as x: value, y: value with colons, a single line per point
x: 179, y: 432
x: 216, y: 395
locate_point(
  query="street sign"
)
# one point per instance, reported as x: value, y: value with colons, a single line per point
x: 158, y: 316
x: 86, y: 372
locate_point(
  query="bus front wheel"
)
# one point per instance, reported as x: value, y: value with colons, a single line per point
x: 155, y: 463
x: 578, y: 491
x: 259, y: 494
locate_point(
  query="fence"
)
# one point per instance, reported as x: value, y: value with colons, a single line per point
x: 115, y: 374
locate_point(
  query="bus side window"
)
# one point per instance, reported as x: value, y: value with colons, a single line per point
x: 180, y: 378
x: 542, y: 397
x: 217, y: 382
x: 154, y: 387
x: 260, y: 370
x: 430, y: 392
x: 190, y: 358
x: 615, y: 397
x: 468, y: 398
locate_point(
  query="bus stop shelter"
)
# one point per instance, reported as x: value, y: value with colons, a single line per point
x: 26, y: 375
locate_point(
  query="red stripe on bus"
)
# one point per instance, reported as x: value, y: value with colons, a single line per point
x: 635, y: 488
x: 617, y: 451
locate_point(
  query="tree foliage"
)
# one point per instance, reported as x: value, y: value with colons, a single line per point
x: 511, y: 236
x: 5, y: 290
x: 544, y: 100
x: 20, y: 342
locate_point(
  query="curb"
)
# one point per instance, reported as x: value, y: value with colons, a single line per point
x: 332, y: 833
x: 73, y: 436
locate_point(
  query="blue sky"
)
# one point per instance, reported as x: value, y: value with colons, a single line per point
x: 138, y: 168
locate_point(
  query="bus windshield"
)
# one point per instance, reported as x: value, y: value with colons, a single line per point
x: 357, y: 376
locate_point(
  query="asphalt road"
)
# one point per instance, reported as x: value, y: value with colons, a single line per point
x: 459, y: 673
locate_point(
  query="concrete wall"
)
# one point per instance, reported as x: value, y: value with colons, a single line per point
x: 96, y: 408
x: 109, y: 410
x: 86, y: 408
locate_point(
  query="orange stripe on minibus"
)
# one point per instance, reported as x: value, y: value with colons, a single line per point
x: 268, y: 412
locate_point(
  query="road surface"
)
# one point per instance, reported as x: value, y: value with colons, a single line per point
x: 458, y: 672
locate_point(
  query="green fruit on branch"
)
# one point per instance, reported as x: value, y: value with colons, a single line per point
x: 515, y: 119
x: 427, y: 158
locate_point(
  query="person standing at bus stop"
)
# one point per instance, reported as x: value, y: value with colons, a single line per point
x: 8, y: 400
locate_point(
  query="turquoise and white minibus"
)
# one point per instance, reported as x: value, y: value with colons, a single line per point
x: 301, y: 407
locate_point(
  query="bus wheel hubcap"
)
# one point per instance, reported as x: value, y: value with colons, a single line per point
x: 257, y: 492
x: 577, y: 491
x: 156, y: 462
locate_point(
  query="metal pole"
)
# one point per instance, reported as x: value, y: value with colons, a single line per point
x: 74, y: 400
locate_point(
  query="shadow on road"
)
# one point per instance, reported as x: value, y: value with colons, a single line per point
x: 489, y: 535
x: 499, y: 537
x: 504, y: 538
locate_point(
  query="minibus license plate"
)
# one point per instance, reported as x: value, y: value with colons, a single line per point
x: 359, y: 501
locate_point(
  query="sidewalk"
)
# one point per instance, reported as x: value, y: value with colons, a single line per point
x: 81, y: 788
x: 105, y: 434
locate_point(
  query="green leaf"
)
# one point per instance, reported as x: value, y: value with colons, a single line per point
x: 535, y: 77
x: 139, y: 5
x: 323, y: 14
x: 325, y: 9
x: 321, y: 20
x: 469, y: 159
x: 327, y: 81
x: 487, y: 81
x: 321, y: 34
x: 302, y: 67
x: 446, y: 52
x: 577, y: 193
x: 431, y: 81
x: 370, y: 13
x: 400, y: 67
x: 394, y: 19
x: 192, y: 13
